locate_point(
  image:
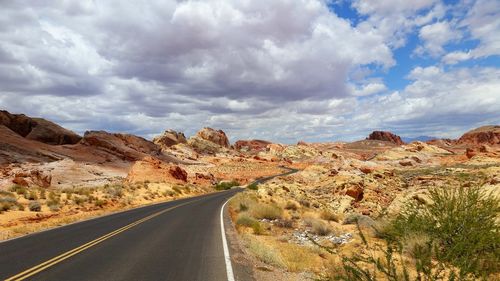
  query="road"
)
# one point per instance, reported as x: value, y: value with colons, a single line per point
x: 176, y: 240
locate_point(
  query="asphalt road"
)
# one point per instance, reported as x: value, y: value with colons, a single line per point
x: 176, y: 240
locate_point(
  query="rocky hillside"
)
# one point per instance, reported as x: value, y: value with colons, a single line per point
x: 489, y: 135
x: 38, y: 129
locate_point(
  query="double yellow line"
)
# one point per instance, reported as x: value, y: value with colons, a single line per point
x: 36, y: 269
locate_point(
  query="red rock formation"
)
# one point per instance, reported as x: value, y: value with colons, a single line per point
x: 214, y: 136
x: 489, y: 135
x: 178, y: 173
x: 385, y: 136
x: 251, y: 145
x: 38, y: 129
x: 153, y: 169
x: 127, y: 147
x: 355, y: 192
x: 33, y: 178
x: 170, y: 138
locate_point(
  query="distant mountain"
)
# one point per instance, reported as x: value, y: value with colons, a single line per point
x: 419, y: 138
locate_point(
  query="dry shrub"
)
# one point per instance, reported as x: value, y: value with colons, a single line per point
x: 318, y: 227
x: 263, y: 252
x: 329, y: 216
x: 266, y: 211
x: 292, y: 205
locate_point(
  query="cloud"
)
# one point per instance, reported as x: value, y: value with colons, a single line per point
x: 483, y: 22
x: 434, y: 36
x: 280, y: 70
x: 393, y: 19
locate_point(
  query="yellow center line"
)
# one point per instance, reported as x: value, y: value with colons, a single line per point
x: 36, y: 269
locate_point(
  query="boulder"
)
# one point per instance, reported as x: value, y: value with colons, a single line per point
x: 178, y: 173
x: 215, y: 136
x: 355, y: 192
x: 385, y: 136
x: 170, y: 138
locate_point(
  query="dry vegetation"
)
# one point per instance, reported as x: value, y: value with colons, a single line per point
x: 25, y: 210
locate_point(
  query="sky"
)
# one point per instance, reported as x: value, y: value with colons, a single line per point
x: 281, y: 70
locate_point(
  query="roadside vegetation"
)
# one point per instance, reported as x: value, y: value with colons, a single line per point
x: 455, y: 237
x: 26, y: 210
x: 226, y: 185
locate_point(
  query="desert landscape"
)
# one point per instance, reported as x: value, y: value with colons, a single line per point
x: 283, y: 140
x: 339, y: 205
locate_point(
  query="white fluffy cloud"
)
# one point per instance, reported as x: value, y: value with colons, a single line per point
x: 282, y: 70
x: 434, y: 36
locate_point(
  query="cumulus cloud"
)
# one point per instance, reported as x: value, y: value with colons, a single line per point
x: 282, y: 70
x: 434, y: 36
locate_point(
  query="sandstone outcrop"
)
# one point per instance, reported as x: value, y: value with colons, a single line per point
x: 215, y: 136
x: 489, y: 135
x: 385, y: 136
x: 127, y: 147
x: 251, y: 145
x: 170, y: 138
x: 38, y: 129
x: 154, y: 170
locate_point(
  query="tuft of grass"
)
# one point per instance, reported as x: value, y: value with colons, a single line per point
x: 265, y: 253
x: 4, y: 193
x: 320, y: 227
x: 35, y: 206
x: 266, y: 211
x: 31, y: 196
x: 20, y: 190
x: 246, y: 220
x: 292, y: 205
x: 100, y: 203
x: 329, y: 216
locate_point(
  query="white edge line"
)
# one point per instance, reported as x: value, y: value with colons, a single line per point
x: 227, y: 258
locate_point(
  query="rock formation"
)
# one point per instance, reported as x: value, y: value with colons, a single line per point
x: 385, y: 136
x: 251, y: 145
x: 170, y: 138
x: 38, y: 129
x: 489, y: 135
x: 127, y: 147
x: 216, y: 136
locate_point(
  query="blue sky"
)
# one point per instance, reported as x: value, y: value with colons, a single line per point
x: 282, y: 70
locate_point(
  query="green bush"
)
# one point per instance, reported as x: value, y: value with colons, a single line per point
x: 21, y: 190
x: 226, y: 185
x: 245, y: 220
x: 456, y: 237
x: 462, y: 222
x: 253, y: 186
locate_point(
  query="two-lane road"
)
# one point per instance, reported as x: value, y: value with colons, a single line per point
x: 177, y: 240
